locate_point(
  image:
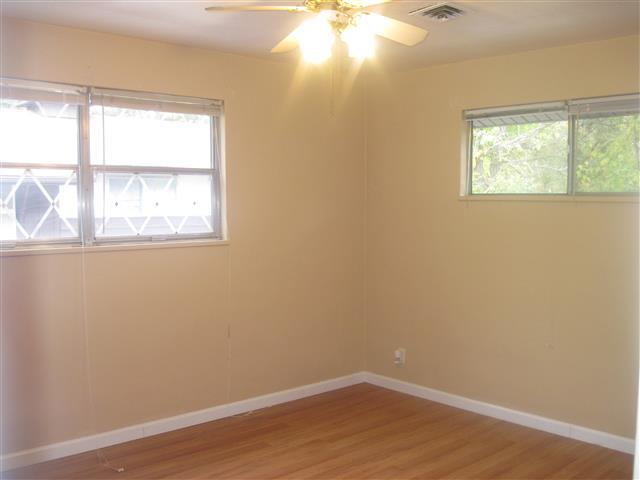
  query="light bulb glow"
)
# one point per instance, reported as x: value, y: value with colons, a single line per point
x: 316, y: 39
x: 360, y: 38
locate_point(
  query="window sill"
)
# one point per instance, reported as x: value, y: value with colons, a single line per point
x: 56, y: 250
x: 622, y: 198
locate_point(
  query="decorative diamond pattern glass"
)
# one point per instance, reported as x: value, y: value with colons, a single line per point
x: 38, y: 204
x: 149, y: 205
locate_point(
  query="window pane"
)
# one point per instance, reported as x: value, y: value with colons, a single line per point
x: 38, y: 132
x: 38, y: 204
x: 608, y: 153
x: 520, y: 158
x: 124, y: 136
x: 151, y: 204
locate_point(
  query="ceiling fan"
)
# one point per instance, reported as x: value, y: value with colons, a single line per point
x: 345, y: 19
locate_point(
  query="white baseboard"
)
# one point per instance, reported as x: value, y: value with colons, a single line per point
x: 105, y: 439
x: 557, y: 427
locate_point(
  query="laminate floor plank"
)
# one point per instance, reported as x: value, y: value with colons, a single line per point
x: 358, y: 432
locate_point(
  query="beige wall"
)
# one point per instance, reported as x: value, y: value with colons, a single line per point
x: 529, y: 305
x: 289, y: 284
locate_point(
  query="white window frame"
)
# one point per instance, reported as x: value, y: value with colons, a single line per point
x: 573, y: 108
x: 85, y: 170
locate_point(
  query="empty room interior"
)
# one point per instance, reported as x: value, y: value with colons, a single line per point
x: 355, y: 239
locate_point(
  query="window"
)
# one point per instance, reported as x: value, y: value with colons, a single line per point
x: 607, y: 145
x: 147, y: 168
x: 589, y: 146
x: 154, y: 166
x: 39, y: 144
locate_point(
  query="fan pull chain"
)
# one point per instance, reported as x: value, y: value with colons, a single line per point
x: 332, y: 80
x: 102, y: 459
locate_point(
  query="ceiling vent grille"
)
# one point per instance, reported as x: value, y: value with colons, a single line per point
x: 440, y: 12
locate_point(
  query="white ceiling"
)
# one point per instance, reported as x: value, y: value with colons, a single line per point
x: 488, y: 28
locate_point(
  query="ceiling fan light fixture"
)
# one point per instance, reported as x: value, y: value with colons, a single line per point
x: 316, y: 38
x: 347, y: 20
x: 360, y: 38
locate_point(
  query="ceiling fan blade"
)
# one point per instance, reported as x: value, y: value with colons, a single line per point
x: 290, y: 42
x: 258, y: 8
x: 396, y: 30
x: 364, y: 3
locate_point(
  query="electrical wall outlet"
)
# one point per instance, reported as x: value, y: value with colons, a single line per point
x: 399, y: 356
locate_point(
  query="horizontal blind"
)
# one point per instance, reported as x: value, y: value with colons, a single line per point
x: 30, y: 91
x: 155, y: 102
x: 618, y: 105
x: 521, y: 114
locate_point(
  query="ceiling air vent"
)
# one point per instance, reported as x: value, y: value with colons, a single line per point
x: 440, y: 12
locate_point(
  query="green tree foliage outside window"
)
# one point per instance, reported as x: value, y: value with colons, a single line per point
x: 534, y: 158
x: 608, y: 154
x: 521, y: 158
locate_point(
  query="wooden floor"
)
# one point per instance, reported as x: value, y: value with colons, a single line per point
x: 357, y: 432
